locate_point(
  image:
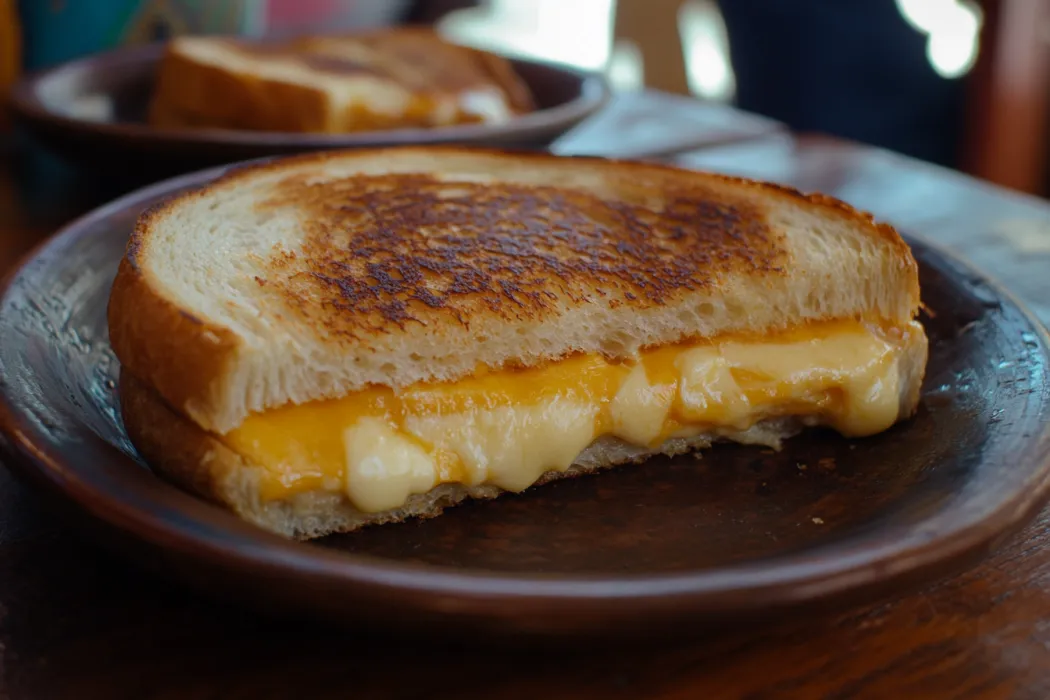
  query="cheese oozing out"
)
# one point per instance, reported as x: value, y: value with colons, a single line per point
x: 509, y: 427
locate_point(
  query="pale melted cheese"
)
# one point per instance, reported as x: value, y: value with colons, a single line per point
x: 507, y: 428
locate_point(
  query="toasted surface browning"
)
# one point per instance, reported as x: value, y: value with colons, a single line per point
x: 336, y: 340
x: 383, y: 251
x: 403, y: 77
x: 419, y: 59
x: 317, y: 276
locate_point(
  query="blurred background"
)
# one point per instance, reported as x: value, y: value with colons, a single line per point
x: 961, y: 83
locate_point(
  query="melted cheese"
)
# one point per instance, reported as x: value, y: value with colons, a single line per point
x: 509, y: 427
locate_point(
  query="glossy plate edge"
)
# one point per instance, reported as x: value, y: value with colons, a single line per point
x: 28, y: 105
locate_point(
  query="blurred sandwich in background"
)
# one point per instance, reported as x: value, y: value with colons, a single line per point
x: 388, y: 79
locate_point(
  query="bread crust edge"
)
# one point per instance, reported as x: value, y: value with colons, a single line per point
x: 148, y: 330
x: 195, y: 460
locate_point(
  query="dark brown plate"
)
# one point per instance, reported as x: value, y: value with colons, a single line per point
x: 664, y: 547
x: 93, y: 110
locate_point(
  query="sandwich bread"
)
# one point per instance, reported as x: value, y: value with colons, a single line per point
x: 329, y: 341
x: 395, y: 78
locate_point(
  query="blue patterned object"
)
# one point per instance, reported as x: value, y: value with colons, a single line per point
x: 60, y: 30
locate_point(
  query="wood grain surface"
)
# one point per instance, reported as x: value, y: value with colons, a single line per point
x: 77, y: 623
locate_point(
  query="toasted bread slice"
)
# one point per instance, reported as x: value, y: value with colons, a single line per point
x: 333, y: 84
x: 316, y: 276
x: 324, y: 276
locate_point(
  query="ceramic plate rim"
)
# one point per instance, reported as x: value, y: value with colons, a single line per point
x: 27, y: 103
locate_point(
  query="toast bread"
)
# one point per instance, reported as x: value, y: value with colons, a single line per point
x: 317, y: 276
x: 397, y: 78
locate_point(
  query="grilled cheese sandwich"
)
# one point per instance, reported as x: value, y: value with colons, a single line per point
x: 508, y: 428
x: 450, y: 384
x: 395, y: 78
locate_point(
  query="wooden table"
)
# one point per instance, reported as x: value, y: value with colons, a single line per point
x: 77, y: 623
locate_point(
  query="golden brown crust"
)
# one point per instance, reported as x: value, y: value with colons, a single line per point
x: 397, y: 276
x: 629, y: 171
x: 386, y: 250
x: 418, y: 58
x: 192, y: 93
x: 146, y: 331
x: 173, y: 446
x: 393, y: 252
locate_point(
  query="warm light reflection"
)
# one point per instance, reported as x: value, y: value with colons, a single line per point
x: 952, y: 29
x: 577, y: 32
x: 580, y: 33
x: 705, y: 43
x: 626, y: 69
